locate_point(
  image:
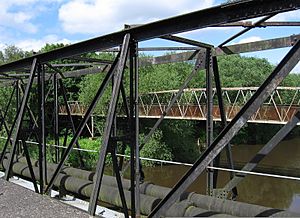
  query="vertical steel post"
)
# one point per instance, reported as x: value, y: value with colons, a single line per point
x: 17, y: 86
x: 55, y: 120
x: 17, y: 107
x: 136, y: 132
x: 224, y: 124
x: 131, y: 129
x: 42, y: 139
x: 209, y: 117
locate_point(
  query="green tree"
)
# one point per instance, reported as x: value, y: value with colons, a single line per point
x: 13, y: 53
x: 239, y: 71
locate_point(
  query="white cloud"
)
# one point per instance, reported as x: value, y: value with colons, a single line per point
x: 287, y: 16
x: 2, y: 46
x: 36, y: 44
x: 18, y: 19
x: 102, y: 16
x: 250, y: 39
x: 297, y: 68
x: 18, y: 14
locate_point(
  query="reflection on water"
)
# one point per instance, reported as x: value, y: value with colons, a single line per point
x: 266, y: 191
x: 295, y: 204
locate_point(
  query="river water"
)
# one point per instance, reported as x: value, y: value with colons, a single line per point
x: 266, y: 191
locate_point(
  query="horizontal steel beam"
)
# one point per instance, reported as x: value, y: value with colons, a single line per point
x: 262, y: 45
x: 276, y: 43
x: 269, y: 44
x: 221, y: 14
x: 175, y: 48
x: 263, y: 24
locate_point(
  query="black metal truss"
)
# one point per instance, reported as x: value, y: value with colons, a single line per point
x: 223, y: 125
x: 205, y: 56
x: 86, y: 117
x: 279, y: 73
x: 118, y: 75
x: 18, y: 120
x: 196, y: 20
x: 262, y: 45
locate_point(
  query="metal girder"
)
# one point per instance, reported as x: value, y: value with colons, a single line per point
x: 276, y: 43
x: 83, y: 123
x: 132, y: 54
x: 187, y: 41
x: 18, y: 120
x: 246, y: 30
x: 93, y: 60
x: 263, y: 24
x: 199, y: 64
x: 279, y: 73
x: 42, y: 129
x: 263, y: 152
x: 55, y: 120
x: 171, y: 58
x: 176, y: 48
x: 262, y: 45
x: 221, y: 14
x: 224, y: 124
x: 209, y: 117
x: 138, y: 167
x: 108, y: 126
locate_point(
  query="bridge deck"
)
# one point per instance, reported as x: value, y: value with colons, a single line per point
x: 17, y: 201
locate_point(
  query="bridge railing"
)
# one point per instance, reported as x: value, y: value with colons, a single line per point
x: 278, y: 108
x: 75, y: 107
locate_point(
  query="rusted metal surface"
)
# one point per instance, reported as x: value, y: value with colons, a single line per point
x: 278, y: 109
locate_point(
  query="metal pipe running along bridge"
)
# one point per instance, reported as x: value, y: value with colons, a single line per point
x: 279, y: 107
x: 39, y: 70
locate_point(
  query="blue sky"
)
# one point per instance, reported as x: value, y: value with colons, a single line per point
x: 29, y: 24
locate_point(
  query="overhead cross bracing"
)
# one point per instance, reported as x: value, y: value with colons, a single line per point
x: 204, y: 58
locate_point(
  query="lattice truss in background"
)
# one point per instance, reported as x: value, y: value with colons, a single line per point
x: 279, y: 107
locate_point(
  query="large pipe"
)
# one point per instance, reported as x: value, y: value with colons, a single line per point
x: 84, y: 188
x: 108, y: 194
x: 206, y: 203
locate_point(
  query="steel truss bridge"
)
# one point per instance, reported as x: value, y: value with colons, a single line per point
x: 278, y: 108
x: 40, y: 70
